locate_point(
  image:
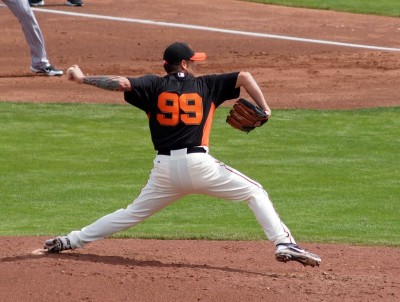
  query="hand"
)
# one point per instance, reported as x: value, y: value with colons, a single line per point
x: 74, y: 73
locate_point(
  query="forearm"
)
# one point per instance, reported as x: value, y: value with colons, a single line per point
x: 112, y: 83
x: 249, y: 84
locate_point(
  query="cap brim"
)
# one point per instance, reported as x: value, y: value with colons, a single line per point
x: 198, y: 56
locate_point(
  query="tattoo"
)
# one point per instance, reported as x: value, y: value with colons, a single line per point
x: 104, y: 82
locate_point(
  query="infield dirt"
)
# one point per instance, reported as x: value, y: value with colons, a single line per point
x: 292, y: 74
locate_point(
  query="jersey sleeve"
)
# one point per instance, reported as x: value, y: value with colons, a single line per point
x: 222, y: 87
x: 139, y: 96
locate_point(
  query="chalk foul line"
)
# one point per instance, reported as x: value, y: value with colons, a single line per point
x: 214, y: 29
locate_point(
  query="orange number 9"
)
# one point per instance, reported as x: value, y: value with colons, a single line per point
x: 171, y: 105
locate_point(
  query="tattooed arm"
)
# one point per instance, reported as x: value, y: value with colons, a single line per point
x: 112, y: 83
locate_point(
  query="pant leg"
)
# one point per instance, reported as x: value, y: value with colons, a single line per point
x: 216, y: 179
x: 159, y: 192
x: 33, y: 35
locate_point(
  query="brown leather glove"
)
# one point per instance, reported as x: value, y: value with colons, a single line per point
x: 246, y: 116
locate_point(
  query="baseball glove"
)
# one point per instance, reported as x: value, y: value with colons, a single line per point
x: 246, y: 116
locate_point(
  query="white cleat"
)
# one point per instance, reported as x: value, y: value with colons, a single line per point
x: 292, y: 252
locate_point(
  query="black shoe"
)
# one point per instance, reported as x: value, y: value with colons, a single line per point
x: 36, y: 2
x: 74, y: 3
x: 56, y: 245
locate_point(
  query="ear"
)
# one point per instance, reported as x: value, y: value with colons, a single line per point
x: 185, y: 64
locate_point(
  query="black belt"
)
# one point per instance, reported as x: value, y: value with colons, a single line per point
x: 188, y: 151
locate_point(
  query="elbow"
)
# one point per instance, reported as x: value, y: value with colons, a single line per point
x: 124, y: 85
x: 244, y: 79
x: 245, y: 76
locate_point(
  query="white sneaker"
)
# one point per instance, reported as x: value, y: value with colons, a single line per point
x: 49, y: 71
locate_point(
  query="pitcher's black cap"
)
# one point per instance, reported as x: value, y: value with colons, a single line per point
x: 179, y: 51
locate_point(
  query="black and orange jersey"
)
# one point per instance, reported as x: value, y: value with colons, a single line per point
x: 180, y: 107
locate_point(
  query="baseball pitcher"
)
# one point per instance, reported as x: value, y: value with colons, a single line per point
x: 180, y: 109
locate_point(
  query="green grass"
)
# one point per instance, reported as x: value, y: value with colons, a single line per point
x: 333, y: 175
x: 374, y: 7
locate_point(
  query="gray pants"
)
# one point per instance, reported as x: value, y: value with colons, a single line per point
x: 22, y: 10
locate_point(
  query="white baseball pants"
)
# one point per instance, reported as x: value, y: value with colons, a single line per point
x: 180, y: 174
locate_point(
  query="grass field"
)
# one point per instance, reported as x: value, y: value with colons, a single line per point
x: 382, y: 7
x: 332, y: 175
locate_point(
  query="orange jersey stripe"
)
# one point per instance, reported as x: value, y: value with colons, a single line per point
x: 207, y: 127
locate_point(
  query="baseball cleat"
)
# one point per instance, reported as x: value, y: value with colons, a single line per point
x: 74, y: 3
x: 292, y: 252
x: 57, y: 245
x: 49, y: 71
x: 36, y: 2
